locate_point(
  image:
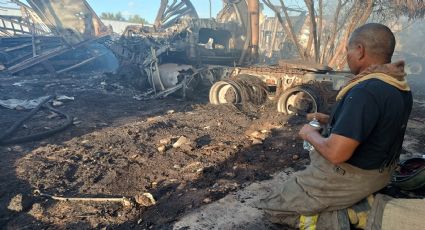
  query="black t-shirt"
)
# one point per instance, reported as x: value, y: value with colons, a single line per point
x: 375, y: 114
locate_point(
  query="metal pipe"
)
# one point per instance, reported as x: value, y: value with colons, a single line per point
x: 210, y: 9
x: 125, y: 201
x: 254, y: 14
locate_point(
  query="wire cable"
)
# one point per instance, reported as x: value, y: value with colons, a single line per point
x: 5, y: 138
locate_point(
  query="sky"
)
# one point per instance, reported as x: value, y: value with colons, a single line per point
x: 148, y: 8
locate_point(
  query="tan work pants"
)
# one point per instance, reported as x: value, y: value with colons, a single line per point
x: 321, y: 189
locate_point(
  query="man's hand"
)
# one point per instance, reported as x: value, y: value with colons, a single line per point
x: 306, y: 130
x: 335, y: 148
x: 321, y: 117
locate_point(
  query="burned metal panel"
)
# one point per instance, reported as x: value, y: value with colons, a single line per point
x: 20, y: 20
x: 74, y: 20
x: 15, y: 50
x: 12, y: 25
x: 64, y: 36
x: 53, y: 55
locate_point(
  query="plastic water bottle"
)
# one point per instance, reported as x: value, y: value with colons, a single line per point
x: 316, y: 124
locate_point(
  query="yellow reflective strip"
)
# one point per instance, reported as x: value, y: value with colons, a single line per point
x: 302, y: 222
x: 362, y: 220
x: 314, y: 222
x: 308, y: 222
x: 352, y: 216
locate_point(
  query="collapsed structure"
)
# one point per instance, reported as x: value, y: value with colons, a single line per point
x: 178, y: 53
x: 53, y: 37
x: 181, y: 50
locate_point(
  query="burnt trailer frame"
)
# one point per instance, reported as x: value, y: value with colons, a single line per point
x: 51, y: 40
x: 296, y: 87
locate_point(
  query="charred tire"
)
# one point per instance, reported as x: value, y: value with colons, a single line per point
x: 300, y: 99
x: 224, y: 93
x: 252, y: 89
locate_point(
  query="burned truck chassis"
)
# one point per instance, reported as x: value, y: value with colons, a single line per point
x: 296, y: 88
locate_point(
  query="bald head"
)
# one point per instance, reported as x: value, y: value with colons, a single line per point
x: 377, y: 40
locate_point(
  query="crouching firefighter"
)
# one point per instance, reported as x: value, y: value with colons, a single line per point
x: 357, y: 155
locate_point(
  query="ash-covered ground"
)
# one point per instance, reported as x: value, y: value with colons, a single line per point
x: 122, y: 147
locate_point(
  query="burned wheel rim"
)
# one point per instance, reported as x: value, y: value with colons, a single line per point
x: 300, y: 99
x: 224, y: 93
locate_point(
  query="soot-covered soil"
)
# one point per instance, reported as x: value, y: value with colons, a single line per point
x: 121, y: 147
x: 186, y: 153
